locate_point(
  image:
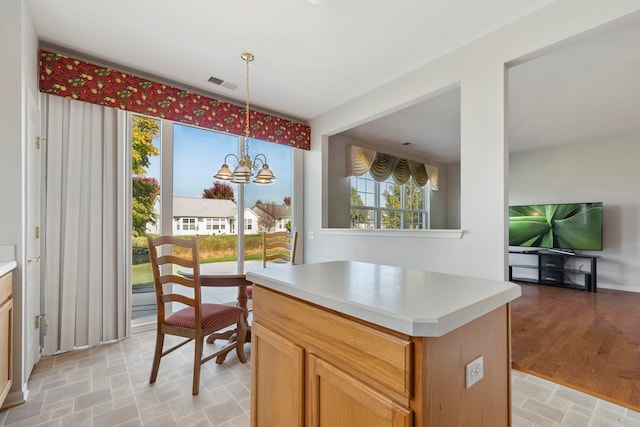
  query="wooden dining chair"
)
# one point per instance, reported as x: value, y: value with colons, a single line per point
x: 278, y: 248
x: 195, y: 321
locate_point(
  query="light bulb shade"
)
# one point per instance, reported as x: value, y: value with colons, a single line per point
x: 224, y: 173
x: 265, y: 175
x: 241, y: 180
x: 242, y: 171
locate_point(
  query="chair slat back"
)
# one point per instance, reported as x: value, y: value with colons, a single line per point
x: 279, y: 247
x: 167, y: 255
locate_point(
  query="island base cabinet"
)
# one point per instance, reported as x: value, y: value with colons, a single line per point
x: 6, y: 335
x: 335, y: 399
x: 278, y: 392
x: 318, y: 368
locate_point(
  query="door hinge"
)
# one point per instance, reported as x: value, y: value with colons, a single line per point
x: 45, y: 322
x: 37, y: 142
x: 37, y: 232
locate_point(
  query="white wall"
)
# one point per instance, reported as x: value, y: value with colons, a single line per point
x: 593, y: 171
x: 479, y: 70
x: 18, y: 74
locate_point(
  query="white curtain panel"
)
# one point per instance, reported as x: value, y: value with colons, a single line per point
x: 86, y: 293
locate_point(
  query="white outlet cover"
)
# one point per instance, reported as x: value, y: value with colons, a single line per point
x: 474, y: 371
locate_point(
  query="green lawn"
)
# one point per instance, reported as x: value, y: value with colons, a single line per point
x: 141, y: 274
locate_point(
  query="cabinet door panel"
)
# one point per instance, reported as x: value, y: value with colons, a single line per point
x: 357, y: 346
x: 6, y: 314
x: 336, y: 399
x: 277, y: 395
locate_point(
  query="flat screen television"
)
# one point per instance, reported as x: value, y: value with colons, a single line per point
x: 562, y: 226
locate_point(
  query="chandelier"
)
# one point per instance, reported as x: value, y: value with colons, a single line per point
x: 245, y: 167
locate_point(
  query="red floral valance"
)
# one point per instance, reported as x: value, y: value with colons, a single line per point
x: 71, y: 78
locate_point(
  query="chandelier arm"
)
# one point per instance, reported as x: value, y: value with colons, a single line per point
x: 232, y: 155
x: 259, y: 158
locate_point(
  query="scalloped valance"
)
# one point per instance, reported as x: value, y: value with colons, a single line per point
x: 362, y: 160
x: 71, y: 78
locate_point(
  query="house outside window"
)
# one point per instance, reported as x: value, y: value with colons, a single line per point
x: 388, y: 205
x: 248, y: 224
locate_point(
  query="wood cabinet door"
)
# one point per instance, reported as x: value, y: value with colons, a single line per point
x: 6, y: 347
x: 336, y: 399
x: 277, y: 379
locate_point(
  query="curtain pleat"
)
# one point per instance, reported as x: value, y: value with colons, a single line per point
x: 432, y: 171
x: 401, y: 172
x: 85, y: 272
x: 381, y: 166
x: 418, y: 172
x: 361, y: 160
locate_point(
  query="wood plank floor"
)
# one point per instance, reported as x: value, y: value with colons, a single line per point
x: 587, y: 341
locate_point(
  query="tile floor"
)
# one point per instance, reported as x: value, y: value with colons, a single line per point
x: 108, y: 386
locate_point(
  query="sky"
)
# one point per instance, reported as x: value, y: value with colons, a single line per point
x: 199, y: 153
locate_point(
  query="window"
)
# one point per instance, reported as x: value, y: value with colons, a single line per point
x: 188, y: 223
x: 388, y: 205
x: 190, y: 157
x: 215, y: 225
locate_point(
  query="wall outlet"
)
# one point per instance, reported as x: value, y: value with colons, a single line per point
x: 474, y: 371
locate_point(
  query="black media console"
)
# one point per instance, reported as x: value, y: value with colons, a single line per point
x: 555, y: 269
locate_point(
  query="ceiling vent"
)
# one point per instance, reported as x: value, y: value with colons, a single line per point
x: 220, y: 82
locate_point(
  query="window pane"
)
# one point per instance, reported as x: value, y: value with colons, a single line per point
x: 390, y: 219
x: 413, y: 220
x: 390, y: 194
x: 203, y: 205
x: 414, y: 196
x: 362, y: 190
x: 145, y: 218
x: 198, y: 154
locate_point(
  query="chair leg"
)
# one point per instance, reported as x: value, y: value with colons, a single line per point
x: 157, y: 355
x: 197, y: 363
x: 240, y: 339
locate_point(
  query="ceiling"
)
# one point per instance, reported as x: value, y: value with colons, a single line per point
x: 312, y: 56
x: 585, y: 90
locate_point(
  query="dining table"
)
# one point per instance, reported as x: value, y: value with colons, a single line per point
x: 226, y: 274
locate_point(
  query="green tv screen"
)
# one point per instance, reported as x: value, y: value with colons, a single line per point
x: 573, y: 226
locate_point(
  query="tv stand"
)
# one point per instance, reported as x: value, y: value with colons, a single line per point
x: 560, y: 251
x: 555, y: 268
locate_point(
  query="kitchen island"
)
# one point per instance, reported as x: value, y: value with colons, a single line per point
x: 6, y: 327
x: 346, y: 343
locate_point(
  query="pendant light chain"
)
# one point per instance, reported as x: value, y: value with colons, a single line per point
x: 248, y: 57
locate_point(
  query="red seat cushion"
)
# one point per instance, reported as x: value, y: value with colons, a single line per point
x: 211, y: 314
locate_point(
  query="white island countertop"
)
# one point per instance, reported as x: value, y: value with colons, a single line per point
x: 414, y: 302
x: 7, y: 266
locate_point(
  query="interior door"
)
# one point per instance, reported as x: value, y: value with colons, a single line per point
x: 32, y: 268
